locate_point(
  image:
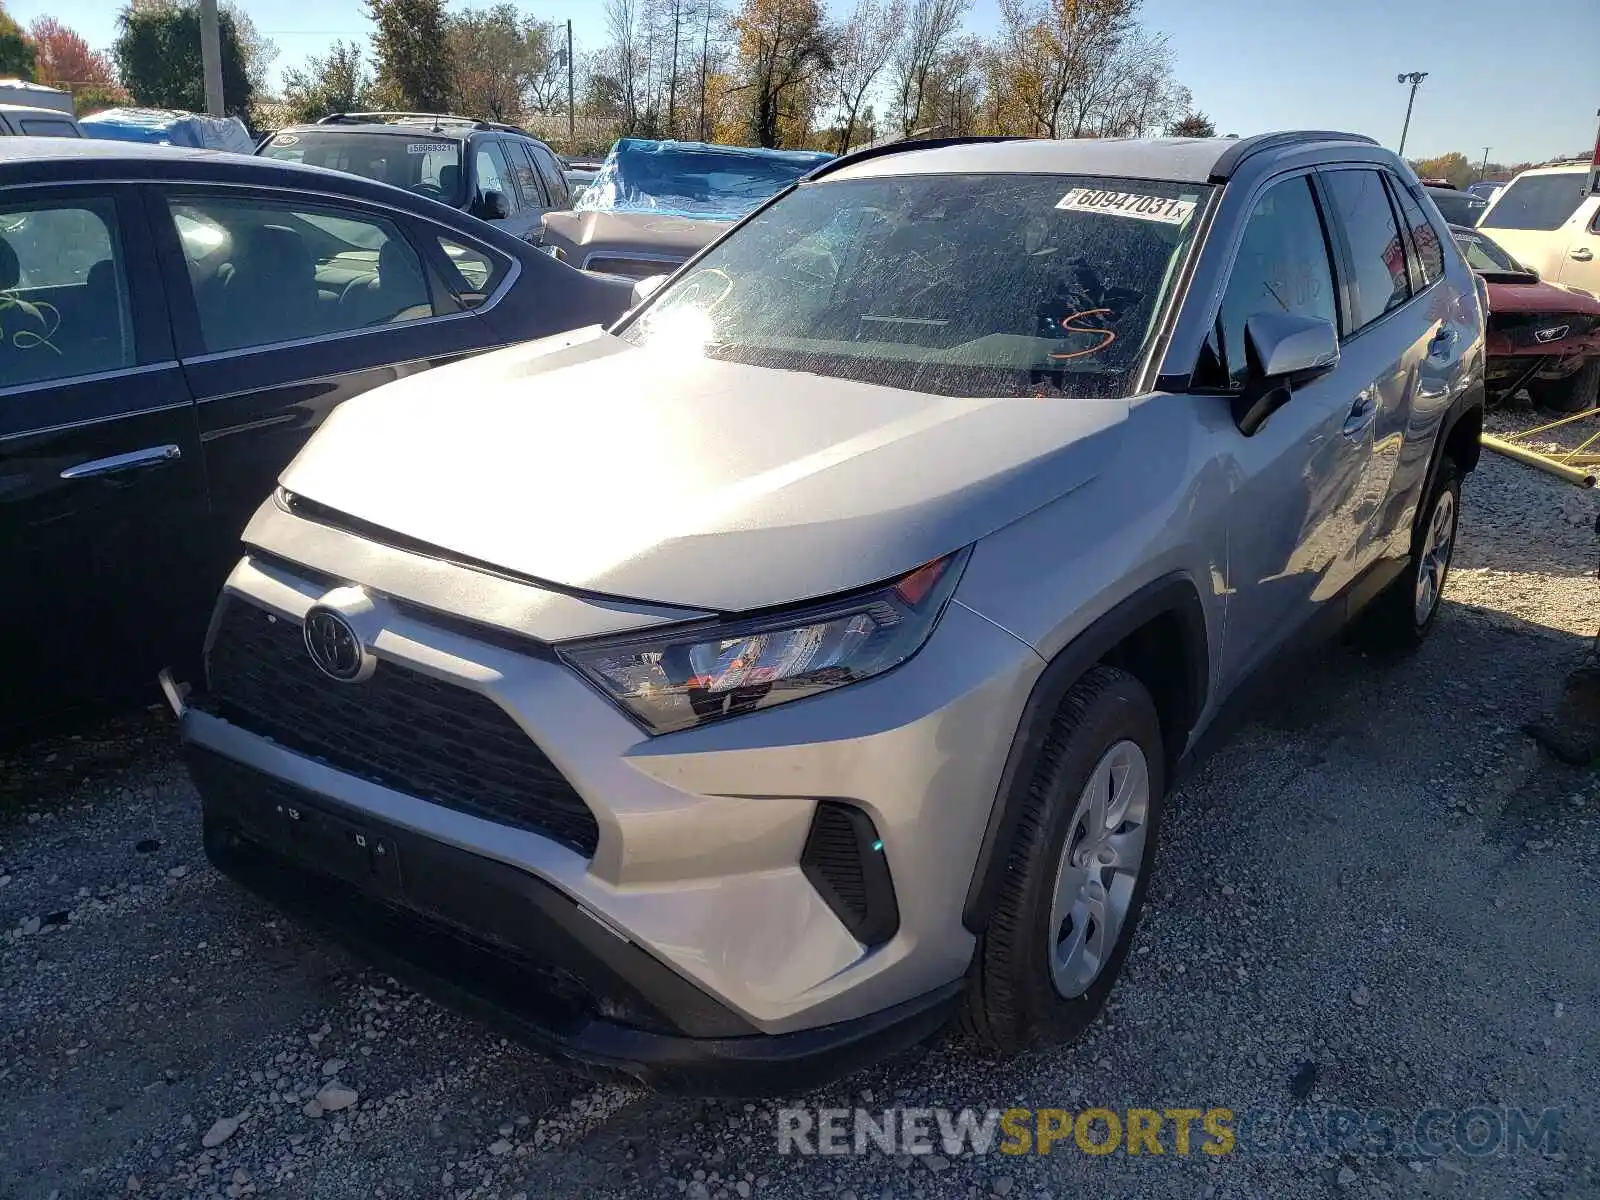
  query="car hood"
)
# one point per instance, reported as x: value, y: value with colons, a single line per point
x: 1540, y: 297
x: 580, y: 234
x: 584, y: 462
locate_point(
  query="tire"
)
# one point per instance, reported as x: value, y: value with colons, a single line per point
x: 1015, y: 995
x: 1576, y: 393
x: 1400, y: 618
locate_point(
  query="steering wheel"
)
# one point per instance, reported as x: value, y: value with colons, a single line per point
x: 432, y: 190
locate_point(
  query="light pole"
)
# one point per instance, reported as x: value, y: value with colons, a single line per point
x: 1483, y: 171
x: 1414, y: 78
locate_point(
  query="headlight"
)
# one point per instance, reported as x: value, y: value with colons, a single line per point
x: 678, y: 678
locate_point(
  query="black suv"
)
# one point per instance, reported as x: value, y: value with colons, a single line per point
x: 490, y: 170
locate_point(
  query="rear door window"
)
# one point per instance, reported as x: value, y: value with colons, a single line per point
x: 64, y: 308
x: 47, y: 127
x: 555, y: 179
x: 527, y: 176
x: 1537, y: 202
x: 264, y: 272
x: 1380, y: 282
x: 1424, y: 238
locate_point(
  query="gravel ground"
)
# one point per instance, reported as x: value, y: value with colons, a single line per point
x: 1380, y: 893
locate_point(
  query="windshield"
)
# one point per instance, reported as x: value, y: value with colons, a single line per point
x: 1482, y: 254
x: 1537, y: 202
x: 962, y: 285
x: 422, y: 162
x: 690, y: 180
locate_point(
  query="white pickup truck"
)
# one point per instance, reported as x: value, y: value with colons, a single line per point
x: 1548, y: 218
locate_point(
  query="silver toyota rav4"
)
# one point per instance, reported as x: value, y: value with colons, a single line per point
x: 806, y: 658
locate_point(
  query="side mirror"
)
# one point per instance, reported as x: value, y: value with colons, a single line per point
x: 646, y: 287
x: 1285, y: 350
x: 494, y: 207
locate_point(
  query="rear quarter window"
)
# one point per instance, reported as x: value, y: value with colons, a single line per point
x: 1537, y: 202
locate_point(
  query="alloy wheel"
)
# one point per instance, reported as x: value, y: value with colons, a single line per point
x: 1433, y: 564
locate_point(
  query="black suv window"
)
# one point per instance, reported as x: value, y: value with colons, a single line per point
x: 494, y: 173
x: 527, y: 176
x: 63, y: 292
x: 1282, y: 266
x: 1377, y: 253
x: 1537, y: 202
x: 1424, y: 238
x: 555, y: 179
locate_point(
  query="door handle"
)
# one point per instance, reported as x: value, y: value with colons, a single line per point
x: 149, y: 457
x: 1362, y: 414
x: 1582, y: 254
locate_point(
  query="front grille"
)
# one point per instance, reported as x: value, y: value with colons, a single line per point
x: 843, y: 859
x: 1520, y: 328
x: 400, y: 728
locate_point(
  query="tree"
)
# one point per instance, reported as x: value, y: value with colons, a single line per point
x: 861, y: 51
x: 783, y: 52
x: 157, y: 53
x: 64, y: 59
x: 933, y: 23
x: 412, y: 56
x: 1193, y: 125
x: 622, y: 21
x: 16, y: 53
x: 495, y: 53
x: 259, y: 52
x: 1453, y: 167
x: 338, y: 82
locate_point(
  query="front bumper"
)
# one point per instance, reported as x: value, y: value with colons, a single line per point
x: 695, y: 870
x: 505, y: 947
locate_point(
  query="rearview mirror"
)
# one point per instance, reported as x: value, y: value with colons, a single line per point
x: 646, y: 287
x: 1285, y: 350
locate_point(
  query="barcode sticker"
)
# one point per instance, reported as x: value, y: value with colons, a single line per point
x: 1140, y: 207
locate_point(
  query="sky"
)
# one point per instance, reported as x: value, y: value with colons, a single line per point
x: 1253, y: 65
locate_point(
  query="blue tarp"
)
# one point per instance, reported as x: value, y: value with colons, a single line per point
x: 692, y: 179
x: 164, y: 127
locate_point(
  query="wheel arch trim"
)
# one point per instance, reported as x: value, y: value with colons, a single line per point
x: 1172, y: 595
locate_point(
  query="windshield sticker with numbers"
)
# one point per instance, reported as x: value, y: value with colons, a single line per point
x: 1165, y: 209
x: 429, y: 147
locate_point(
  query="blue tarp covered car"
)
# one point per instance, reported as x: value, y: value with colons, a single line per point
x: 167, y: 127
x: 654, y: 204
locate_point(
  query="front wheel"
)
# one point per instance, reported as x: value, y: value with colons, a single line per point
x: 1077, y: 868
x: 1578, y: 392
x: 1400, y: 618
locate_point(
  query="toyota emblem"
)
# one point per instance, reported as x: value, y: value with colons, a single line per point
x: 334, y: 646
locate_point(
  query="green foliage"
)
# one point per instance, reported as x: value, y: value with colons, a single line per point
x: 338, y: 82
x: 157, y: 52
x: 16, y: 52
x: 1193, y: 125
x: 412, y: 54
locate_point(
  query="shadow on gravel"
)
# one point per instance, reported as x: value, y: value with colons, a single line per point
x: 37, y: 774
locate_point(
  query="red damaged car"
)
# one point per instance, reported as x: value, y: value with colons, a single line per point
x: 1542, y: 336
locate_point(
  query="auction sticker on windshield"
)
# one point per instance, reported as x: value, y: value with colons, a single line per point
x: 429, y: 147
x: 1128, y: 204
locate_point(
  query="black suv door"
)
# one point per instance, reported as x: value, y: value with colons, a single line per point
x: 284, y: 306
x: 102, y: 490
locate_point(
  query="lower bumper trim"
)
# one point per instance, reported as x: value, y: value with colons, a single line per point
x: 549, y: 1004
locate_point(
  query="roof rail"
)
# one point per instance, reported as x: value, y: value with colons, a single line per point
x: 1234, y: 155
x: 900, y: 146
x: 385, y: 117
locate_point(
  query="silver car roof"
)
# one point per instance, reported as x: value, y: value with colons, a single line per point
x: 1180, y: 160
